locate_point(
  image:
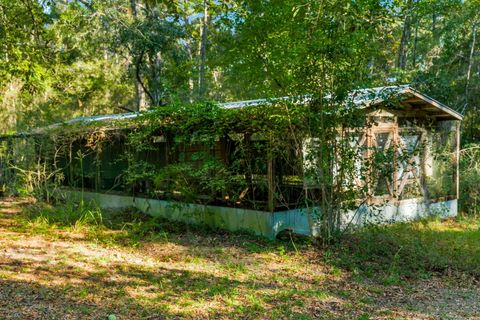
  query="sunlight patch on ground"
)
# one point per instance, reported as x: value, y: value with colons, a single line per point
x: 198, y: 277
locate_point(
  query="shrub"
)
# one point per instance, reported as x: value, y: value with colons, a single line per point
x: 470, y: 180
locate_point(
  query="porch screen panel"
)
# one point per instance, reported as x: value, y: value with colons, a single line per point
x: 440, y: 169
x: 410, y: 151
x: 383, y: 158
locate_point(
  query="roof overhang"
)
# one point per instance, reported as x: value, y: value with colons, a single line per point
x: 432, y: 107
x: 410, y: 100
x: 372, y: 98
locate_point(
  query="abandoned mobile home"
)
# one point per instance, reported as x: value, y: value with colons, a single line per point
x: 253, y: 165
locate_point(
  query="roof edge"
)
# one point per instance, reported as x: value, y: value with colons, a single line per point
x: 434, y: 103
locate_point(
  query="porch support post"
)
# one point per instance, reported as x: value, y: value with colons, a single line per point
x: 271, y: 184
x: 369, y: 133
x: 456, y: 161
x: 396, y: 143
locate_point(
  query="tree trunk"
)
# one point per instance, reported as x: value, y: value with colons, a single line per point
x: 141, y: 97
x: 190, y: 52
x: 203, y: 53
x: 402, y: 50
x: 470, y: 65
x: 157, y: 88
x: 133, y: 8
x: 414, y: 51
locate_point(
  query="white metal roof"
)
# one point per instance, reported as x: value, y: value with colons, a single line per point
x: 361, y: 98
x: 106, y: 117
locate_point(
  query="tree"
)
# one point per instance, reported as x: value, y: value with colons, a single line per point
x: 317, y: 48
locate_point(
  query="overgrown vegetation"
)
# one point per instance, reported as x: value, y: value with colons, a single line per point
x: 111, y: 228
x: 318, y: 52
x: 470, y: 176
x: 74, y: 58
x: 413, y: 250
x: 283, y: 154
x: 61, y: 59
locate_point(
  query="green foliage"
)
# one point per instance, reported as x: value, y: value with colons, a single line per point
x: 410, y: 250
x: 124, y: 228
x: 153, y: 42
x: 54, y: 65
x: 306, y: 46
x: 65, y: 59
x: 204, y: 175
x: 74, y: 58
x: 42, y: 217
x: 470, y: 180
x: 210, y: 180
x: 138, y: 171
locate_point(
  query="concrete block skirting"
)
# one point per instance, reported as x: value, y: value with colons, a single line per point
x: 267, y: 224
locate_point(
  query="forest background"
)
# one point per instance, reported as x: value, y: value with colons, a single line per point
x: 66, y: 58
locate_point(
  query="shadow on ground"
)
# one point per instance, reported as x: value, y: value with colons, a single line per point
x: 199, y: 275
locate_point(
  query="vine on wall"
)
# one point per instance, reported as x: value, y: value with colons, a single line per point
x: 277, y: 156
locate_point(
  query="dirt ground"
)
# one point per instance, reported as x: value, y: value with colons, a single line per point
x: 62, y: 274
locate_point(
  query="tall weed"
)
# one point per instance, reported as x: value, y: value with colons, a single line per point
x: 412, y: 249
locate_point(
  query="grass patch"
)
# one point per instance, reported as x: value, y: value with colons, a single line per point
x: 128, y: 227
x: 412, y: 249
x: 135, y: 266
x: 109, y: 227
x: 403, y: 250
